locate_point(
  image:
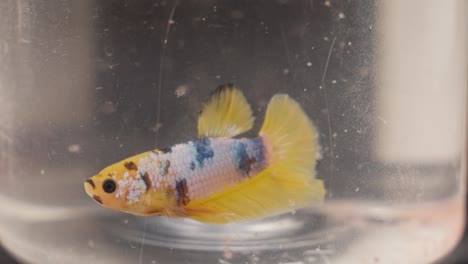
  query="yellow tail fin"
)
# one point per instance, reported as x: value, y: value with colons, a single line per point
x: 287, y: 183
x: 291, y: 136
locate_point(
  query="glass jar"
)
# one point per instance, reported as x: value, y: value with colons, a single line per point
x: 84, y: 84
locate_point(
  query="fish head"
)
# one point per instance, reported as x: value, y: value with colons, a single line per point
x: 126, y: 186
x: 109, y: 187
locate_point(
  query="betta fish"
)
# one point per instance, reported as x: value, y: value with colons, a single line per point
x: 220, y: 178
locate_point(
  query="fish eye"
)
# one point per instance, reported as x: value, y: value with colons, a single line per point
x: 109, y: 186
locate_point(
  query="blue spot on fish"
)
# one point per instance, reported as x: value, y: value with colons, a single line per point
x: 242, y: 161
x: 166, y: 150
x: 249, y: 156
x: 257, y: 146
x: 203, y: 152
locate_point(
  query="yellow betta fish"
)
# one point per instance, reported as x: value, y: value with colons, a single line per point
x: 217, y: 178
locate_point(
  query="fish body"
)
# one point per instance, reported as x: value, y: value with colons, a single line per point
x: 205, y: 166
x: 218, y: 178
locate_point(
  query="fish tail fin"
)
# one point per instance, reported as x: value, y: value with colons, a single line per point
x: 286, y: 184
x: 290, y: 137
x: 291, y: 143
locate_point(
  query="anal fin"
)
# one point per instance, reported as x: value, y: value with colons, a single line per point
x: 271, y: 192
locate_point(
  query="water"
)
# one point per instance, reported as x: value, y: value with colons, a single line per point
x: 342, y: 232
x: 84, y: 84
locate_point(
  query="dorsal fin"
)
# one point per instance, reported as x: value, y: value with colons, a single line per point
x: 226, y: 114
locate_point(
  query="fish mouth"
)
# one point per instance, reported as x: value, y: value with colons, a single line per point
x: 89, y: 187
x: 97, y: 199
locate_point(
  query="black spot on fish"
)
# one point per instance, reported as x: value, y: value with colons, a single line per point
x: 241, y: 158
x: 250, y: 162
x: 221, y: 88
x: 97, y: 199
x: 166, y: 150
x: 164, y: 170
x: 216, y: 92
x: 131, y: 165
x: 147, y: 180
x: 192, y: 165
x: 91, y: 183
x: 182, y: 192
